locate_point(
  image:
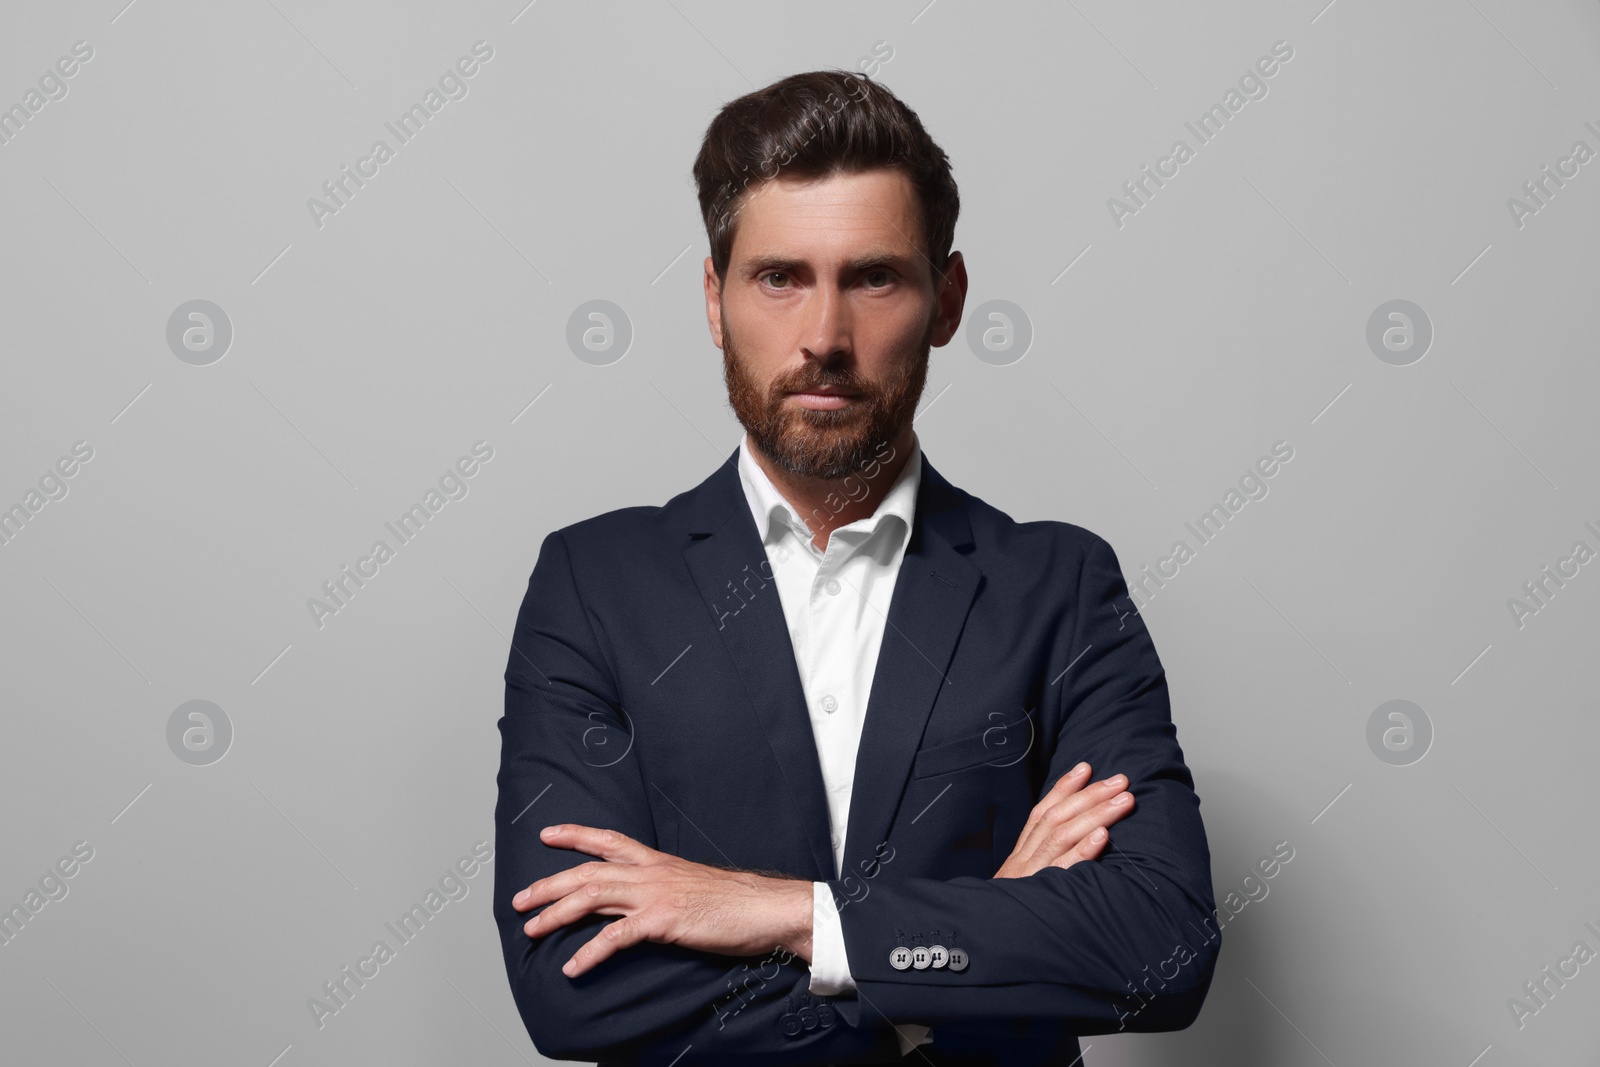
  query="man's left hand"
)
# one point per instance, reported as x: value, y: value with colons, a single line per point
x: 665, y: 899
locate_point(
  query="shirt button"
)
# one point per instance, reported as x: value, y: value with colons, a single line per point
x: 829, y: 704
x: 833, y: 836
x: 832, y: 587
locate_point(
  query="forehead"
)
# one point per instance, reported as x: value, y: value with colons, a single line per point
x: 831, y: 217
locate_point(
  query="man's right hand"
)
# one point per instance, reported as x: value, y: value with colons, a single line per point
x: 1068, y: 824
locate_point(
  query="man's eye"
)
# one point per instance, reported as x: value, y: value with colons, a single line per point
x: 776, y: 274
x: 885, y: 276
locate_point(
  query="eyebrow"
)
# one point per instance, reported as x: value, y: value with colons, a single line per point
x: 868, y: 260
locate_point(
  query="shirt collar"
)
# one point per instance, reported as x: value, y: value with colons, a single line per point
x: 774, y: 515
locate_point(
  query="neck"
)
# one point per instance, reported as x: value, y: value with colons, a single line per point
x: 826, y: 504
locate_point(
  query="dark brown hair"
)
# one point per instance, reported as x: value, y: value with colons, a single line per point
x: 813, y: 125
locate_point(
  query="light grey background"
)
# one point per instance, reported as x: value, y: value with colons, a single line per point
x: 431, y: 311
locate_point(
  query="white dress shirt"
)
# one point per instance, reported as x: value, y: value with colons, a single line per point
x: 836, y: 605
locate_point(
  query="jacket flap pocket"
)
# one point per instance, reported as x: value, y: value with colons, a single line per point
x: 959, y: 755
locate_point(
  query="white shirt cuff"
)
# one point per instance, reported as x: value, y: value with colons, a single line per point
x: 830, y: 966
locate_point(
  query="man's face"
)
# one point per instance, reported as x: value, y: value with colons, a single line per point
x: 833, y: 306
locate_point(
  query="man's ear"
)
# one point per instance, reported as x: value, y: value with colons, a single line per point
x: 713, y: 289
x: 952, y: 299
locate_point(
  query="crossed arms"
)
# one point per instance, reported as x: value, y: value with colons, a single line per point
x: 1120, y: 943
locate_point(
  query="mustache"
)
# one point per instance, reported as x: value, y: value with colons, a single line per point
x: 841, y: 379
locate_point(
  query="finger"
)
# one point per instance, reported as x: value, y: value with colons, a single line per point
x: 1084, y: 800
x: 1069, y: 822
x: 1055, y: 851
x: 1071, y: 833
x: 573, y: 882
x: 626, y: 931
x: 605, y: 895
x: 1087, y: 849
x: 1065, y: 786
x: 555, y: 886
x: 611, y: 845
x: 1078, y: 827
x: 1072, y: 806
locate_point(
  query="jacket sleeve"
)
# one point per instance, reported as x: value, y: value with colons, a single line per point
x: 1125, y: 942
x: 566, y: 757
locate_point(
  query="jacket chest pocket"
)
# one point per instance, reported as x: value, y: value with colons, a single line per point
x: 987, y: 795
x: 1003, y: 744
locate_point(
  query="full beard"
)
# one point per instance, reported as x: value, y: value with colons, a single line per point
x: 824, y: 444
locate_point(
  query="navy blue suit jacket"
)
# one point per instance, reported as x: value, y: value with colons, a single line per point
x: 652, y: 688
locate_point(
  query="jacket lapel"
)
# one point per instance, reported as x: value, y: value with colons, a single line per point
x: 729, y: 564
x: 932, y: 595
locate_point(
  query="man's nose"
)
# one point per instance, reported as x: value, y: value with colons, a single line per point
x: 829, y: 323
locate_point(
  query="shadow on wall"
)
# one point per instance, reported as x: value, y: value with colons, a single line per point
x: 1333, y: 939
x: 1243, y: 826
